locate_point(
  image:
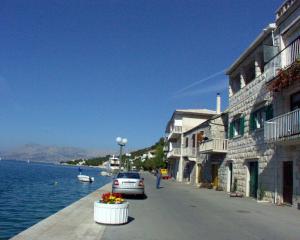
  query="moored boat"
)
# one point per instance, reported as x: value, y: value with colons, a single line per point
x: 85, y: 178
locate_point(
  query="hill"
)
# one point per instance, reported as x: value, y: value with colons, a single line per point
x: 48, y: 154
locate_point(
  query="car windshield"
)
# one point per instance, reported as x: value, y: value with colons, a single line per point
x: 129, y: 175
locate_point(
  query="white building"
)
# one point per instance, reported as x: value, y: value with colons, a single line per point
x: 182, y: 121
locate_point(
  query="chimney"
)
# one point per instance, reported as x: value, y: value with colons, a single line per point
x: 218, y: 110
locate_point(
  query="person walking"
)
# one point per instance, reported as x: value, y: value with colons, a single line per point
x: 158, y: 177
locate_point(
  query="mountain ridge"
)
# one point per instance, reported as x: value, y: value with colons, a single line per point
x: 49, y: 153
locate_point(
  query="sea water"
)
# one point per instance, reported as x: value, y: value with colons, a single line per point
x: 30, y: 192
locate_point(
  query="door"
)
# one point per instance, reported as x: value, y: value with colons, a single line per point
x: 253, y: 169
x: 214, y: 175
x: 199, y: 173
x: 288, y: 182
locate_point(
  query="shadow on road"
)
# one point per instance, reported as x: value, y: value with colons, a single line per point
x: 139, y: 197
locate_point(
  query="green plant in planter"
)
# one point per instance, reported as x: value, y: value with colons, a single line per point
x: 261, y: 192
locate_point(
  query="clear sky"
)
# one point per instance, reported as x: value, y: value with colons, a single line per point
x: 82, y: 72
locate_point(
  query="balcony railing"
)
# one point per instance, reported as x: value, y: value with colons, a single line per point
x: 175, y: 132
x: 282, y: 60
x: 177, y: 129
x: 175, y: 152
x: 283, y: 127
x: 189, y: 152
x: 217, y: 145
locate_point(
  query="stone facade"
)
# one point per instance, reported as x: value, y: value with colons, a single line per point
x: 258, y: 156
x: 247, y: 145
x: 204, y: 142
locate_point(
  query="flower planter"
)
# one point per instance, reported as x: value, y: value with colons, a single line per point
x: 111, y: 213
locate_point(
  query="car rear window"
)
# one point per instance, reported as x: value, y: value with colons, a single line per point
x: 128, y: 175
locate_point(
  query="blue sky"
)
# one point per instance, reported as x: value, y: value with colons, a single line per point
x: 81, y: 73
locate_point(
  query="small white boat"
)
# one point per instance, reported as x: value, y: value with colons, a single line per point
x: 85, y: 178
x: 104, y: 173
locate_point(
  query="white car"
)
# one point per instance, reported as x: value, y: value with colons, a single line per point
x: 128, y: 183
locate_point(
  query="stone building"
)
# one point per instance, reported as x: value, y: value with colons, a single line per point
x: 282, y: 132
x: 250, y: 104
x: 264, y: 98
x: 204, y: 151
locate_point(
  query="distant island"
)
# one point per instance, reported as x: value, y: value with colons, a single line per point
x: 146, y: 158
x: 48, y: 154
x: 96, y: 161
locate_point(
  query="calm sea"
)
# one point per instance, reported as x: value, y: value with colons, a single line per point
x: 30, y: 192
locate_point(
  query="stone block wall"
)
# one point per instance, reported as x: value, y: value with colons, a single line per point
x: 251, y: 146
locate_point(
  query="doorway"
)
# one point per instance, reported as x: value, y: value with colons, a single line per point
x: 199, y: 176
x: 288, y: 182
x: 229, y: 177
x: 253, y: 183
x: 214, y: 175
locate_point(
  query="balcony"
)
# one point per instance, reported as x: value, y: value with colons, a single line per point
x: 215, y: 145
x: 175, y: 133
x: 282, y: 60
x: 174, y: 153
x: 190, y: 152
x: 283, y: 128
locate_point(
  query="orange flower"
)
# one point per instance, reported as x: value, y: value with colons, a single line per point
x: 111, y: 198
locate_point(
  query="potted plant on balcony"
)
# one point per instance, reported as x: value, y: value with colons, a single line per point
x: 111, y: 209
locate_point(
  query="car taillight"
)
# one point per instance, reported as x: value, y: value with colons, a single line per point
x: 141, y: 183
x: 116, y: 182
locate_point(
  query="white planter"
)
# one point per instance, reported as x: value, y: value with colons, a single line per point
x: 111, y: 213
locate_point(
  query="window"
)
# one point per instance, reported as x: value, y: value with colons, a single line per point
x: 295, y: 101
x: 237, y: 127
x: 194, y: 140
x: 249, y: 73
x: 235, y: 83
x: 258, y: 117
x: 186, y: 142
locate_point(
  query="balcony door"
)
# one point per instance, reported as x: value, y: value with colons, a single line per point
x: 295, y: 101
x: 288, y: 182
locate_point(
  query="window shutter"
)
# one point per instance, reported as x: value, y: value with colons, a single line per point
x: 231, y: 130
x: 242, y: 125
x: 269, y: 112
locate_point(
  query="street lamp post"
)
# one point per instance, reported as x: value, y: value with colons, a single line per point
x: 122, y: 142
x: 128, y: 155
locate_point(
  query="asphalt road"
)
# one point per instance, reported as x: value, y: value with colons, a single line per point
x: 180, y: 211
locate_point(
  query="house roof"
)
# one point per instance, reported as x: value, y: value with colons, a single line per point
x: 251, y: 48
x: 195, y: 112
x: 205, y: 123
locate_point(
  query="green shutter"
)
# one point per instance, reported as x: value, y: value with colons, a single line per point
x: 242, y: 125
x: 269, y: 112
x: 231, y: 130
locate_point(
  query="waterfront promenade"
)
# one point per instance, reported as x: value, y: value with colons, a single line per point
x: 176, y: 211
x: 71, y: 223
